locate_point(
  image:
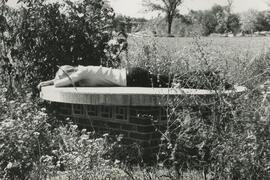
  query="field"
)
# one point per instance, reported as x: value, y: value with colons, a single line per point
x: 232, y: 56
x: 235, y: 45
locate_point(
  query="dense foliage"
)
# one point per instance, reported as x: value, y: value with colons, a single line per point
x: 42, y: 36
x: 218, y: 20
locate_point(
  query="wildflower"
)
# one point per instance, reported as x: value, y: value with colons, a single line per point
x: 74, y: 127
x: 80, y: 15
x: 36, y: 134
x: 58, y: 164
x: 43, y: 109
x: 4, y: 90
x: 46, y: 158
x: 6, y: 34
x: 28, y: 115
x: 99, y: 140
x: 89, y: 141
x: 120, y: 137
x: 169, y: 146
x: 42, y: 114
x: 84, y: 131
x: 8, y: 123
x: 9, y: 166
x: 28, y: 95
x: 3, y: 99
x: 72, y: 37
x: 112, y: 42
x: 84, y: 137
x: 78, y: 160
x: 116, y: 161
x: 20, y: 141
x: 23, y: 105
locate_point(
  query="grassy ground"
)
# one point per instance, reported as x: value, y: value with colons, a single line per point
x: 252, y: 45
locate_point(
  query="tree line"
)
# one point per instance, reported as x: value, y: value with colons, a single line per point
x: 219, y: 19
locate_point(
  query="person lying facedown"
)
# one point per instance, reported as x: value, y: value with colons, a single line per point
x: 98, y: 76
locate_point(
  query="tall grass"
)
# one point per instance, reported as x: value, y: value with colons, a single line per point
x: 222, y: 145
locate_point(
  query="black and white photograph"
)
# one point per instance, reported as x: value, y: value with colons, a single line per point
x: 134, y: 89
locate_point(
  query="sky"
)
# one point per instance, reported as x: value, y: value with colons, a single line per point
x: 134, y: 8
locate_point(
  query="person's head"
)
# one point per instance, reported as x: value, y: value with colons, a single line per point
x: 65, y: 71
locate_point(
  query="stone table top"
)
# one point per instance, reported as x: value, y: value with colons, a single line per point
x: 124, y: 96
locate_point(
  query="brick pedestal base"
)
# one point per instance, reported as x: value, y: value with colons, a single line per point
x: 136, y: 123
x: 134, y: 112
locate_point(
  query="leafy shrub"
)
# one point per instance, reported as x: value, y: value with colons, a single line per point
x: 49, y: 34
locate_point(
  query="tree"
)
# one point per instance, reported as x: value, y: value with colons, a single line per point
x: 221, y: 17
x: 205, y: 19
x: 209, y: 23
x: 169, y: 7
x: 249, y: 21
x: 262, y: 21
x: 226, y: 20
x: 233, y: 23
x: 229, y: 6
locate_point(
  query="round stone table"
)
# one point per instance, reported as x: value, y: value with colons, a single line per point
x: 133, y: 112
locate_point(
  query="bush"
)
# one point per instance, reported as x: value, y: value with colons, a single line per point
x: 57, y: 34
x: 47, y: 35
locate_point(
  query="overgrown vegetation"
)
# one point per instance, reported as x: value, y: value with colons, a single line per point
x: 41, y: 36
x: 226, y: 139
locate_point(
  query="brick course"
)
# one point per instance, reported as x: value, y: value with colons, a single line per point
x: 140, y: 124
x: 135, y: 123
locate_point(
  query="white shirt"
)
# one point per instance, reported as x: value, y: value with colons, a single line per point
x: 94, y: 76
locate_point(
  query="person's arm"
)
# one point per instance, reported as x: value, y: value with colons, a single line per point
x: 45, y: 83
x: 71, y: 80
